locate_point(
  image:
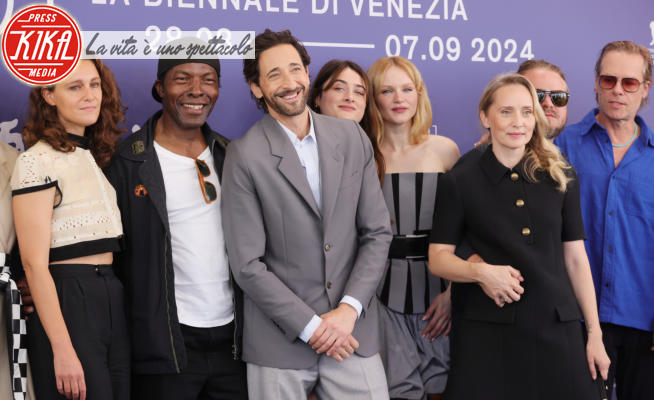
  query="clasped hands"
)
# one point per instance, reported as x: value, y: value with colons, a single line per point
x: 502, y: 283
x: 334, y: 334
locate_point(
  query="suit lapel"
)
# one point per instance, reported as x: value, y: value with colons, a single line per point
x: 289, y: 164
x: 331, y: 164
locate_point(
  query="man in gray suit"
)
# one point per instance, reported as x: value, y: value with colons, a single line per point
x: 307, y: 235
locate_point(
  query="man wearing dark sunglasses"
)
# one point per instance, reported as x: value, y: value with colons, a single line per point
x: 612, y: 149
x: 184, y: 314
x: 552, y: 91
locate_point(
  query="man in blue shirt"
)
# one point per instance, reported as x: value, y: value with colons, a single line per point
x: 613, y: 151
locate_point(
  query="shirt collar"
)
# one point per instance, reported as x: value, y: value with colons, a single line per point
x: 645, y: 131
x: 80, y: 141
x: 590, y: 120
x: 293, y: 137
x: 494, y: 170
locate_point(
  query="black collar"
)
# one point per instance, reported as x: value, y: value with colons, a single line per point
x: 494, y: 169
x: 138, y: 146
x: 80, y: 141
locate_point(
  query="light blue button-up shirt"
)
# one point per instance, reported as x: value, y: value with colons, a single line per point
x: 307, y: 152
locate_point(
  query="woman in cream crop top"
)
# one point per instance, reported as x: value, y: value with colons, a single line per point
x: 85, y: 217
x: 68, y: 226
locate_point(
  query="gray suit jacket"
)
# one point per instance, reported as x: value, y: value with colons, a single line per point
x: 291, y: 261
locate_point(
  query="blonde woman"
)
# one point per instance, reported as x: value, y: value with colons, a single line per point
x: 515, y: 328
x: 415, y: 306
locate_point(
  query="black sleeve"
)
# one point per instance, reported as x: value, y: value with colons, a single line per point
x: 112, y: 173
x: 447, y: 227
x: 573, y: 226
x: 464, y: 249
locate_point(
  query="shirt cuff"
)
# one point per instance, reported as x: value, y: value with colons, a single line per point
x: 311, y: 327
x: 354, y: 303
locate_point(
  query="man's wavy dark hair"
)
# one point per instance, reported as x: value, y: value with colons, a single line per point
x: 263, y: 42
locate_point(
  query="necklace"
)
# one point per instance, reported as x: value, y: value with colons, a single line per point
x: 630, y: 140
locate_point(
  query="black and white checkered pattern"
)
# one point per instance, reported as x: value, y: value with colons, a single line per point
x: 16, y: 334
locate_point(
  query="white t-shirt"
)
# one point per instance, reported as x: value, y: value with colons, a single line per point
x: 202, y: 289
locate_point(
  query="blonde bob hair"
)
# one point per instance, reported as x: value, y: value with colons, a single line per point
x: 540, y: 153
x: 421, y: 121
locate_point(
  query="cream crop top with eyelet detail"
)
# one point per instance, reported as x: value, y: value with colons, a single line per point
x: 85, y: 216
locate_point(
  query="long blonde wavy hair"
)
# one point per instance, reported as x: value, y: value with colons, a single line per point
x: 421, y: 121
x: 540, y: 153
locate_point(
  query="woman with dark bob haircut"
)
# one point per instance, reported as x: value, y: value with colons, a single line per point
x: 341, y: 90
x: 68, y: 226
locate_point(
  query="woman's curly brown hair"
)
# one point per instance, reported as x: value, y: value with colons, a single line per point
x: 43, y: 122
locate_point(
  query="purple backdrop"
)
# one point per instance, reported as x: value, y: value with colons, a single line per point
x: 479, y: 39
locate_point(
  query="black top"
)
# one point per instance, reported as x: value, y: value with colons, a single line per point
x: 478, y: 200
x: 510, y: 220
x: 80, y: 141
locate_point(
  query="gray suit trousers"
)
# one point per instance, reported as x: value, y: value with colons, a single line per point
x: 356, y: 378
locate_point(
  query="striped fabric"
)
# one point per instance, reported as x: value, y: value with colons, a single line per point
x: 407, y: 286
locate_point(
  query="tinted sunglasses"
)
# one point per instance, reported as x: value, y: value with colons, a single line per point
x: 628, y: 84
x: 208, y: 189
x: 559, y: 97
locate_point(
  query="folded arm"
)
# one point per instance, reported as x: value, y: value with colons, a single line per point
x: 502, y: 283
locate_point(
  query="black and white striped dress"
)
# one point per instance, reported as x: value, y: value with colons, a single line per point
x: 407, y: 286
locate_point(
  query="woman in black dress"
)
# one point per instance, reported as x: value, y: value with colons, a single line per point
x: 516, y: 331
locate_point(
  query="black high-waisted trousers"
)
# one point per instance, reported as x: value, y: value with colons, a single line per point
x: 92, y: 303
